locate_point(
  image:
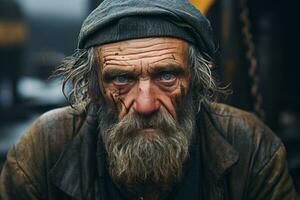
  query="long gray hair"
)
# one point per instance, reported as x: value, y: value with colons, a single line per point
x: 80, y: 80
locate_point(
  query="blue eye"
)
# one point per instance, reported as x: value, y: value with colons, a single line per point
x: 121, y: 79
x: 167, y: 76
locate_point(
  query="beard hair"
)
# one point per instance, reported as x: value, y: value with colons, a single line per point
x: 138, y: 159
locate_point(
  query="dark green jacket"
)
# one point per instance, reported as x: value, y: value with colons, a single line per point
x: 242, y: 159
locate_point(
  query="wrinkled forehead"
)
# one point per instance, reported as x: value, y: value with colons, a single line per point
x: 146, y: 51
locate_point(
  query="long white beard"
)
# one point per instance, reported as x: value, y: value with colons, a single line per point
x: 137, y: 159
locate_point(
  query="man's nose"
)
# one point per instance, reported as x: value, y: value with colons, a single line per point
x: 146, y: 101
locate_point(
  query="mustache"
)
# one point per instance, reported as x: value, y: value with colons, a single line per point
x: 161, y: 120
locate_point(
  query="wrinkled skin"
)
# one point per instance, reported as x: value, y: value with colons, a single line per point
x: 144, y: 74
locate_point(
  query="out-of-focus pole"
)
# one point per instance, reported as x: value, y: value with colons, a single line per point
x: 13, y: 35
x: 232, y: 55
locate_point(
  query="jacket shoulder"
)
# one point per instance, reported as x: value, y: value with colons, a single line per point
x: 255, y: 142
x: 261, y: 169
x: 55, y: 118
x: 47, y: 136
x: 29, y: 160
x: 56, y: 127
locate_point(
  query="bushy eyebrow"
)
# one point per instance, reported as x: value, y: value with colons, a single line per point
x: 111, y: 72
x: 177, y: 69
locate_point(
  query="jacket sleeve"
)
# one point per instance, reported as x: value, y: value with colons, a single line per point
x: 273, y: 182
x: 18, y: 178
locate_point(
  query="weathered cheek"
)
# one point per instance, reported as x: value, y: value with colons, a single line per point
x: 177, y: 96
x: 113, y: 99
x: 118, y: 103
x: 127, y: 101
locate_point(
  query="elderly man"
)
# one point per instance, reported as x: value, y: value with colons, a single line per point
x: 143, y: 124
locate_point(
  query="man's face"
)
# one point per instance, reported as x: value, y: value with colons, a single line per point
x: 144, y: 74
x: 146, y: 81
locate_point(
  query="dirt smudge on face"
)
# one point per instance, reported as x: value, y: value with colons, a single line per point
x: 182, y: 92
x: 118, y: 101
x: 173, y: 57
x: 114, y: 101
x: 121, y: 100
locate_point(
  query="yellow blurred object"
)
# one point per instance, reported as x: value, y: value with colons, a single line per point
x: 202, y: 5
x: 12, y: 33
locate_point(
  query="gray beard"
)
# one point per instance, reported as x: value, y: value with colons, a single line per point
x: 137, y: 160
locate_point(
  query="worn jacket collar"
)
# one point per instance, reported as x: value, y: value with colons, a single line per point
x: 218, y: 154
x: 75, y: 171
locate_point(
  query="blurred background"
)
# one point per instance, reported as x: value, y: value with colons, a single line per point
x: 258, y: 45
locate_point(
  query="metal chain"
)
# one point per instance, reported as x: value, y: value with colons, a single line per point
x: 251, y: 58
